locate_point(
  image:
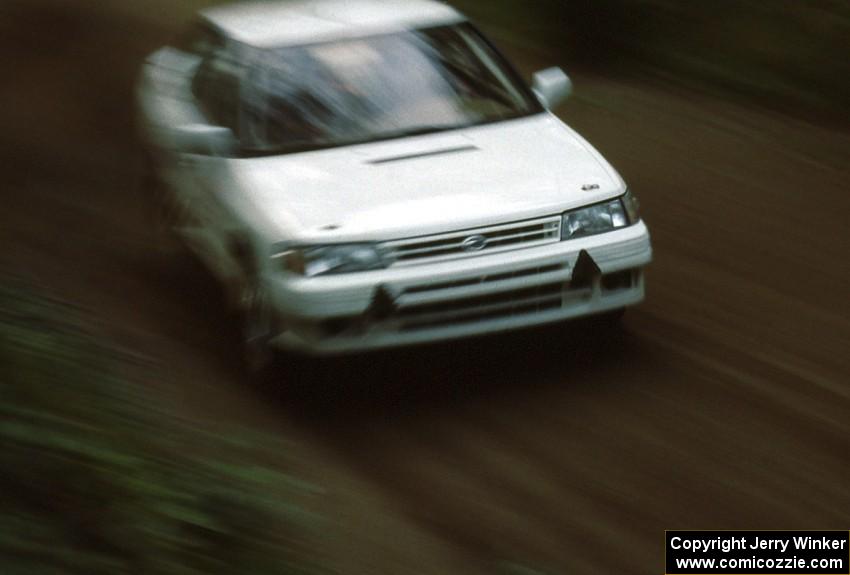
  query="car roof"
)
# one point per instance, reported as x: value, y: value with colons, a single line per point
x: 281, y: 22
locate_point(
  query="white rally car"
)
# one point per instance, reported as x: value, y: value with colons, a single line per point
x: 362, y: 174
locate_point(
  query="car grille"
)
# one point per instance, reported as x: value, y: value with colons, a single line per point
x: 476, y: 241
x: 479, y: 298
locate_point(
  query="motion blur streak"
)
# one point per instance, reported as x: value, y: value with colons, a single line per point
x: 723, y: 403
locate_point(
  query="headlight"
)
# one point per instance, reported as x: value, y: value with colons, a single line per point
x: 332, y: 259
x: 600, y: 218
x: 632, y: 206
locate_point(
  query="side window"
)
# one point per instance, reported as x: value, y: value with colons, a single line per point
x: 216, y: 87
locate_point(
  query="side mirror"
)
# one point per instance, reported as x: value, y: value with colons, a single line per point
x: 551, y: 86
x: 205, y: 140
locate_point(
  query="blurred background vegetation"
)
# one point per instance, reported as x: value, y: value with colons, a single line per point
x: 97, y: 476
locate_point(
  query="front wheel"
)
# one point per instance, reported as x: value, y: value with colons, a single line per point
x: 258, y: 356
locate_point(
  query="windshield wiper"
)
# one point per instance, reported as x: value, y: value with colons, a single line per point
x: 420, y: 131
x: 287, y: 149
x: 299, y: 147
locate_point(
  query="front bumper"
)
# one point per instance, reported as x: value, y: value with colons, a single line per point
x: 460, y: 298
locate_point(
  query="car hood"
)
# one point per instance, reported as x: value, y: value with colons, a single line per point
x: 461, y: 179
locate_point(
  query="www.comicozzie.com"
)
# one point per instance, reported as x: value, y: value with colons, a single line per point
x: 758, y: 552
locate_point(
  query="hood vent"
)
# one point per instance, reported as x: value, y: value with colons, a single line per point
x: 417, y: 155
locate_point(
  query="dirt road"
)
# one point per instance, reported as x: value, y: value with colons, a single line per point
x: 724, y: 402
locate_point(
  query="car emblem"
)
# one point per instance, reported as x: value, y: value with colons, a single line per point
x: 590, y: 187
x: 474, y: 244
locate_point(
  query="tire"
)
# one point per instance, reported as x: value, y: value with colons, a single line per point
x: 261, y: 362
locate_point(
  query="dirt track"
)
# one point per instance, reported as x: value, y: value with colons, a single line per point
x: 723, y: 403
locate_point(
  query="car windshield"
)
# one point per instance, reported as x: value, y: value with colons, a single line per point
x: 366, y: 89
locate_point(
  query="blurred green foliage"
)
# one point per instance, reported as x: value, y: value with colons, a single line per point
x: 95, y: 477
x: 786, y: 53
